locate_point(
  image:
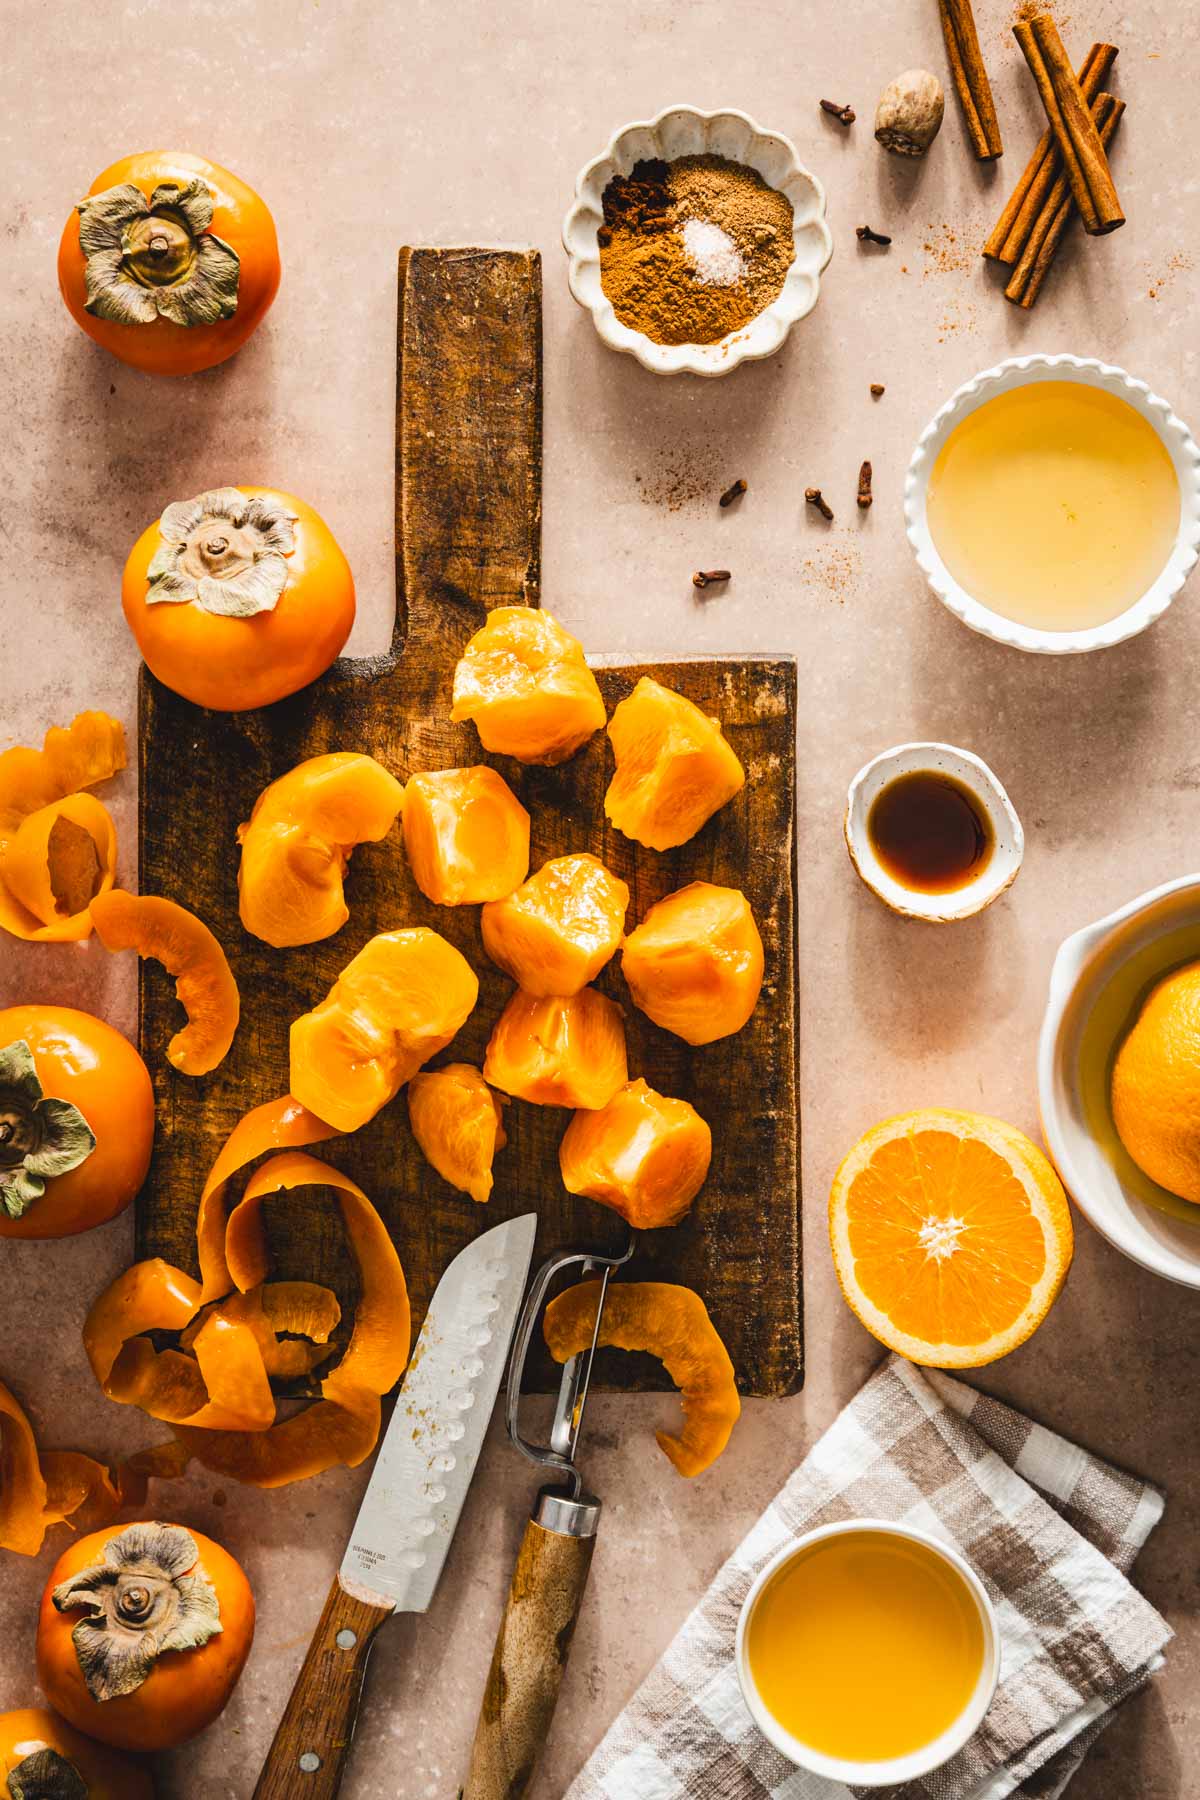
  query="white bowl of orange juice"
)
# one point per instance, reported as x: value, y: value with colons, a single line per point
x: 868, y: 1652
x: 1054, y: 504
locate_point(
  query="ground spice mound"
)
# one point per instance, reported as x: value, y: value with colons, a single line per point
x: 679, y: 284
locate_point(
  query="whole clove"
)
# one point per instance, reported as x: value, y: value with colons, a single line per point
x: 815, y: 498
x: 705, y: 577
x: 877, y: 388
x: 734, y: 492
x: 865, y: 495
x: 845, y: 115
x: 867, y: 235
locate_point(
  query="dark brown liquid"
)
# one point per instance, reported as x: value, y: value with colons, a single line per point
x: 929, y: 832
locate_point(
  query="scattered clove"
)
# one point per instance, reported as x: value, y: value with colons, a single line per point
x: 815, y: 498
x: 843, y: 114
x: 865, y: 495
x: 867, y: 235
x: 705, y: 577
x: 877, y: 388
x: 733, y: 492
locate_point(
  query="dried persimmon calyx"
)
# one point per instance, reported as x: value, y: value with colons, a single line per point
x: 42, y: 1774
x: 149, y: 259
x: 39, y: 1136
x: 147, y: 1594
x: 225, y: 551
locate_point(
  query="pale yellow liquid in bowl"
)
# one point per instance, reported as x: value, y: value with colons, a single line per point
x: 1056, y: 505
x: 866, y: 1646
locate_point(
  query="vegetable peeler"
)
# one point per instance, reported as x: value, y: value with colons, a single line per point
x: 552, y: 1565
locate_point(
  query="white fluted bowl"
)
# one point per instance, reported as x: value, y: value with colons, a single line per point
x: 1178, y: 442
x: 686, y: 131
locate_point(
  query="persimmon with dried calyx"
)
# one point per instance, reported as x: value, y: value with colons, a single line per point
x: 466, y: 834
x: 559, y: 928
x: 142, y: 1634
x: 400, y: 1001
x: 643, y: 1154
x: 558, y: 1051
x: 671, y: 1323
x: 675, y: 768
x: 169, y: 261
x: 76, y: 1122
x: 58, y: 848
x: 44, y: 1758
x: 526, y: 684
x: 297, y: 842
x: 238, y: 597
x: 187, y: 949
x: 459, y: 1124
x: 695, y: 963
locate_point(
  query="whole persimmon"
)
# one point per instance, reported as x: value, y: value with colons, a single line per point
x: 238, y: 597
x: 46, y: 1756
x: 76, y: 1122
x: 142, y: 1634
x: 169, y: 261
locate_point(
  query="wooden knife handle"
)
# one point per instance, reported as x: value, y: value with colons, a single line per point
x: 532, y: 1647
x: 308, y: 1757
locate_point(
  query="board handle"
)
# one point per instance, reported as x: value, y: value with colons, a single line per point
x: 532, y: 1646
x: 308, y: 1755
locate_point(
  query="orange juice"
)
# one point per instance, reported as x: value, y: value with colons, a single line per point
x: 866, y: 1646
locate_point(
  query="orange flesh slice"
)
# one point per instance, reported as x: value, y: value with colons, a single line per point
x: 525, y: 683
x: 643, y: 1154
x: 674, y: 767
x: 466, y: 834
x: 187, y: 949
x: 558, y: 1051
x: 695, y: 963
x: 457, y: 1121
x: 558, y: 930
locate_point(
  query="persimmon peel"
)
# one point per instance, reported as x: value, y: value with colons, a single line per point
x: 58, y: 846
x: 43, y: 1488
x: 187, y: 949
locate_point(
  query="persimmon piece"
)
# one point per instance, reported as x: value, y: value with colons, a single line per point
x: 671, y: 1323
x: 557, y: 931
x: 695, y: 963
x: 558, y: 1051
x: 40, y: 800
x: 674, y: 767
x: 457, y: 1121
x: 643, y: 1154
x: 38, y: 1490
x: 466, y: 834
x: 187, y: 949
x: 400, y: 1001
x: 89, y: 750
x: 524, y: 681
x: 297, y: 843
x: 281, y: 1124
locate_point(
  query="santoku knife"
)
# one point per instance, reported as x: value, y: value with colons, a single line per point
x: 411, y: 1507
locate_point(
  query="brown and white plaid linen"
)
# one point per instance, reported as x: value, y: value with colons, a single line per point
x: 1053, y: 1533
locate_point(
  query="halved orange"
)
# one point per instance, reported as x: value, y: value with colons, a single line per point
x: 951, y: 1236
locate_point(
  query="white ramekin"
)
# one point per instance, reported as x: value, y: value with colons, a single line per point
x: 918, y: 1762
x: 686, y: 131
x: 1155, y: 1229
x: 1008, y: 839
x: 1178, y: 441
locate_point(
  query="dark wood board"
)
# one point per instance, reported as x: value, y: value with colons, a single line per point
x: 468, y: 517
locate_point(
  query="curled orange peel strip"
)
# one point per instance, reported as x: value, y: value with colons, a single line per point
x: 281, y: 1124
x: 40, y: 1489
x: 187, y: 949
x: 47, y: 782
x: 28, y: 907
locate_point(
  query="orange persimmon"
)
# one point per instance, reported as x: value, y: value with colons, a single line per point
x: 674, y: 767
x: 558, y: 1051
x: 457, y: 1121
x: 643, y: 1154
x: 695, y: 963
x: 47, y: 1756
x: 524, y: 681
x: 187, y: 949
x: 399, y: 1002
x: 557, y: 931
x: 297, y: 841
x: 169, y: 261
x: 466, y: 834
x: 57, y: 844
x: 238, y: 597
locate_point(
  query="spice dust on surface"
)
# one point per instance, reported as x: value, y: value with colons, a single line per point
x: 684, y: 478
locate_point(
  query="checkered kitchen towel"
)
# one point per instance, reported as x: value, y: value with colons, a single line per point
x: 1052, y: 1531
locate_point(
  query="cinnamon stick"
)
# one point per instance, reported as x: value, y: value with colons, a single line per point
x: 1025, y: 283
x: 1072, y: 124
x: 971, y: 78
x: 1010, y: 233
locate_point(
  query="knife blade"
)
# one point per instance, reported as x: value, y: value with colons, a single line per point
x: 406, y: 1522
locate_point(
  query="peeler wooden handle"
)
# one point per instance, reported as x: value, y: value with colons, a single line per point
x: 532, y: 1646
x: 308, y: 1756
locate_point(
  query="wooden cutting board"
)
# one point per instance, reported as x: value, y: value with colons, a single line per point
x: 468, y: 524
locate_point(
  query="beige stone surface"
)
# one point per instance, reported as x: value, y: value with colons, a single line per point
x: 366, y: 125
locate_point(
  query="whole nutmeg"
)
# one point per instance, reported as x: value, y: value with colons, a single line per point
x: 909, y: 114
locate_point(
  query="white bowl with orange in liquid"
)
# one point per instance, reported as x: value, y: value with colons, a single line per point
x: 1054, y: 504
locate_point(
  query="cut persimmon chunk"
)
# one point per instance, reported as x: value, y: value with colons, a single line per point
x: 399, y: 1002
x: 297, y: 843
x: 466, y: 834
x: 557, y: 931
x: 526, y: 684
x: 643, y: 1154
x: 674, y: 767
x: 695, y: 963
x: 457, y: 1121
x: 187, y: 949
x: 558, y: 1051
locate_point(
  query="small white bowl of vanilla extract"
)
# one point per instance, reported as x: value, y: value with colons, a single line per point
x: 931, y: 831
